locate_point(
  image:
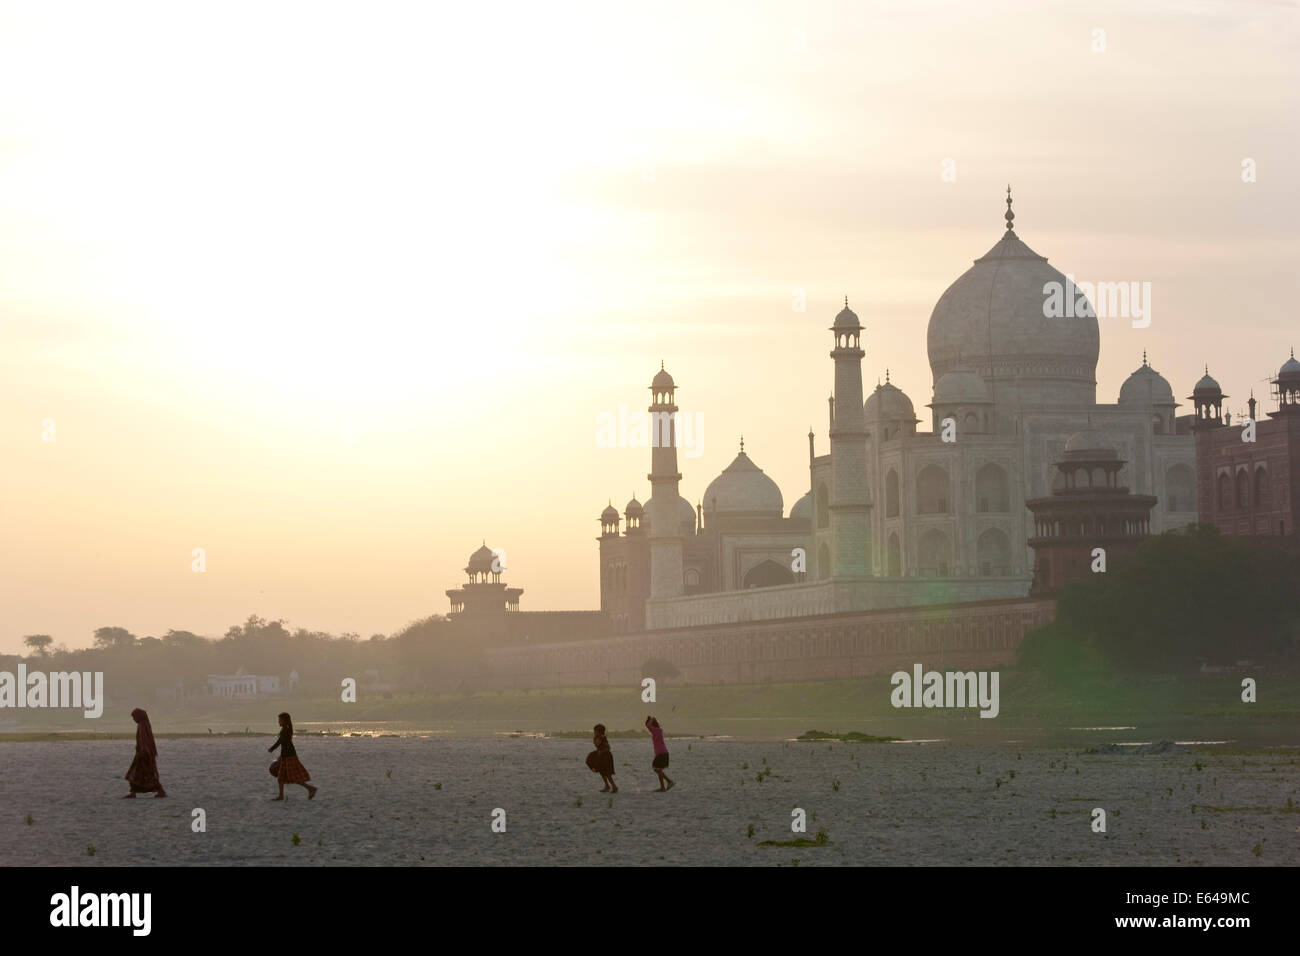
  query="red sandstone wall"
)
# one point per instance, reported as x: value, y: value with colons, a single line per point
x: 977, y: 635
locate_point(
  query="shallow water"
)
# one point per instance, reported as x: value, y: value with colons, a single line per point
x: 926, y: 804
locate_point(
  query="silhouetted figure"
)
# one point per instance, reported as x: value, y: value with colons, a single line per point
x: 660, y: 763
x: 291, y: 769
x: 142, y: 775
x: 601, y: 760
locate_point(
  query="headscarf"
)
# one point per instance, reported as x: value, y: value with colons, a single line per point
x: 144, y: 742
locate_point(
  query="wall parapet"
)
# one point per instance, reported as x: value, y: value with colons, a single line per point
x: 819, y: 646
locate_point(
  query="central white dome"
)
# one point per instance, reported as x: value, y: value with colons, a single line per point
x: 992, y: 320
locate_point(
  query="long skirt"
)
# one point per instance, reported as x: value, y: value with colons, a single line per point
x: 143, y: 774
x: 292, y: 771
x: 601, y: 762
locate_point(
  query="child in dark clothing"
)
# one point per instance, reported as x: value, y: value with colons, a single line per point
x: 601, y: 760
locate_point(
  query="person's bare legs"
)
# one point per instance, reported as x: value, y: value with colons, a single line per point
x: 281, y: 796
x: 161, y: 792
x: 311, y: 791
x: 662, y: 788
x: 605, y: 780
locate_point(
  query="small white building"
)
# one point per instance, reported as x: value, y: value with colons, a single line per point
x: 240, y: 684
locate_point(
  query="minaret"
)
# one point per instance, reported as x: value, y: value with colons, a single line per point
x: 850, y: 504
x: 662, y: 509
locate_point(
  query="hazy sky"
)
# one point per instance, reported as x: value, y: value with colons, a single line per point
x: 336, y: 291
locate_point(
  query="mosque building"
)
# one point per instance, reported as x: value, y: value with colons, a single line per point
x: 1248, y: 476
x: 893, y: 515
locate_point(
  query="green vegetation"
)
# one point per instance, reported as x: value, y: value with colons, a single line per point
x: 1187, y: 598
x: 820, y: 839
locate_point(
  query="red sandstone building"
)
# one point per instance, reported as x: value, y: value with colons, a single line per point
x: 1090, y: 510
x: 1248, y: 487
x: 486, y: 610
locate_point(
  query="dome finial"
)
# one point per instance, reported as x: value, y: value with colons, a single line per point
x: 886, y: 375
x: 1144, y: 356
x: 846, y: 302
x: 742, y: 444
x: 1009, y: 217
x: 661, y: 365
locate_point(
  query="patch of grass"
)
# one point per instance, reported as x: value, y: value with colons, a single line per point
x: 851, y: 737
x: 90, y: 849
x: 821, y: 838
x: 1249, y: 809
x: 29, y: 821
x: 295, y: 839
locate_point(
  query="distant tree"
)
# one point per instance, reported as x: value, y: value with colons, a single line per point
x: 182, y: 639
x: 113, y: 637
x: 39, y: 643
x: 660, y: 669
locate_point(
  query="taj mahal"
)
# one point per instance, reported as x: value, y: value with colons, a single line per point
x: 903, y: 509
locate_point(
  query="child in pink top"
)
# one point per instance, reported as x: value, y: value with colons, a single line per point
x: 661, y: 754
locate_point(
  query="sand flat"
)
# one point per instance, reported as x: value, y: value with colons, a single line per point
x: 896, y: 804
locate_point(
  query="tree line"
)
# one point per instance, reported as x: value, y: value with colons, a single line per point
x: 426, y: 654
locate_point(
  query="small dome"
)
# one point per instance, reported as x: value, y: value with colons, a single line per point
x: 743, y: 490
x: 961, y: 386
x: 888, y: 403
x: 803, y: 508
x: 481, y: 560
x: 847, y: 319
x: 662, y: 382
x: 1089, y: 442
x: 609, y: 515
x: 1290, y: 368
x: 1146, y: 386
x: 1207, y: 384
x: 633, y: 509
x: 685, y: 516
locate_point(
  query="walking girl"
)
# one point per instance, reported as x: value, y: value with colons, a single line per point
x: 660, y: 763
x: 290, y: 768
x: 142, y: 775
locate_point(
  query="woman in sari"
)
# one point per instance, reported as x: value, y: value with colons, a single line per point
x: 290, y: 768
x: 143, y: 772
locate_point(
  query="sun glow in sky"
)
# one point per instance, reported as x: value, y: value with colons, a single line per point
x: 336, y: 291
